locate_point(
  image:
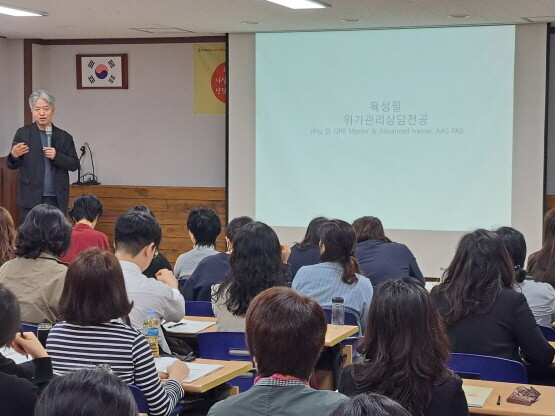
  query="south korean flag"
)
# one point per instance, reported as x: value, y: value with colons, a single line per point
x: 101, y: 71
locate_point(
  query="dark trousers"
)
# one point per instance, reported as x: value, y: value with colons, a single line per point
x: 48, y: 200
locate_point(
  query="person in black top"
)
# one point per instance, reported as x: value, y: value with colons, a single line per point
x: 212, y: 270
x: 483, y: 314
x: 307, y: 252
x: 20, y: 384
x: 405, y: 349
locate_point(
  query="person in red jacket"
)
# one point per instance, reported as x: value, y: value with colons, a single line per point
x: 85, y: 212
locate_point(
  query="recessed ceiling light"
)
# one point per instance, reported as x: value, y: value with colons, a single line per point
x: 250, y: 22
x: 301, y: 4
x: 18, y: 12
x: 459, y: 16
x: 351, y: 20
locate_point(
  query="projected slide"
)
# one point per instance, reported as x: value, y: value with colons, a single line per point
x: 412, y: 126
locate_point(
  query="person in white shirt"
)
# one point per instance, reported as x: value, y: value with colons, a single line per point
x: 137, y: 237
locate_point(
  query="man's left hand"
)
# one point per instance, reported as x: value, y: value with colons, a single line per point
x: 49, y: 152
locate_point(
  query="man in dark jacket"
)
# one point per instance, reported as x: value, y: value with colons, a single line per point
x: 44, y: 154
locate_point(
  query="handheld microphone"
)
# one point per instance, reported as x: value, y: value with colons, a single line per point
x: 48, y: 136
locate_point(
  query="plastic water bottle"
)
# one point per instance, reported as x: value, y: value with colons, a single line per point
x: 151, y: 330
x: 337, y: 312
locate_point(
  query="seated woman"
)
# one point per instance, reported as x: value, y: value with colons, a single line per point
x: 381, y: 259
x: 482, y: 312
x: 285, y: 334
x: 307, y: 252
x: 373, y: 404
x: 93, y: 302
x: 20, y: 384
x: 541, y: 264
x: 94, y: 392
x: 406, y: 348
x: 540, y: 296
x: 36, y: 276
x: 338, y: 274
x: 7, y: 236
x: 256, y: 264
x: 85, y: 211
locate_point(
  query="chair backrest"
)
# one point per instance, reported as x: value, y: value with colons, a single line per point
x: 548, y: 333
x: 231, y: 346
x: 198, y: 308
x: 350, y: 318
x: 482, y: 367
x: 142, y: 404
x: 30, y: 328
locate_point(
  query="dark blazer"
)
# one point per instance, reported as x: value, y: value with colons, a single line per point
x: 211, y: 270
x: 507, y: 328
x: 300, y: 258
x: 447, y: 398
x: 31, y: 166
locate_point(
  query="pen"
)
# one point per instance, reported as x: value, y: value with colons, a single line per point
x: 499, y: 401
x: 174, y: 325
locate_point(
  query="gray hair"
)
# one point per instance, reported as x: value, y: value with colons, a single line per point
x: 37, y: 95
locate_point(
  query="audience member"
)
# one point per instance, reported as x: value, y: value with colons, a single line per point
x: 93, y: 392
x: 483, y: 314
x: 159, y: 261
x: 285, y: 334
x: 256, y: 264
x: 338, y: 274
x: 541, y: 264
x: 36, y: 276
x: 20, y: 384
x: 204, y: 226
x: 212, y: 270
x: 370, y: 404
x: 406, y: 348
x: 540, y: 296
x: 7, y: 236
x: 381, y: 259
x: 93, y: 302
x: 137, y: 236
x: 307, y: 252
x: 85, y: 211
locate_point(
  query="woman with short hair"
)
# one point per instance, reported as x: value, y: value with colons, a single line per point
x: 85, y: 212
x: 307, y: 252
x: 36, y: 275
x: 7, y: 236
x: 285, y: 335
x: 541, y: 264
x: 406, y: 350
x: 380, y: 258
x: 482, y: 312
x: 93, y: 303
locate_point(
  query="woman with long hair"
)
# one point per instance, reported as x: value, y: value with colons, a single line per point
x: 541, y: 264
x: 337, y: 274
x: 7, y: 236
x: 406, y: 350
x: 540, y: 296
x: 307, y: 252
x: 380, y: 258
x: 93, y: 305
x: 256, y: 264
x: 36, y: 275
x: 482, y: 312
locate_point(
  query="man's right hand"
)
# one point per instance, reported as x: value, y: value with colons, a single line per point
x: 166, y: 276
x: 19, y: 149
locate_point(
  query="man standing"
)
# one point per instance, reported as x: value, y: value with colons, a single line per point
x: 44, y: 154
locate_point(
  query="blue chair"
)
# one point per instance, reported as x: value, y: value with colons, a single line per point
x: 143, y: 405
x: 198, y: 308
x: 548, y: 333
x: 29, y: 328
x: 482, y: 367
x: 231, y: 346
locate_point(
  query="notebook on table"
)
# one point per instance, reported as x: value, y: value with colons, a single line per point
x: 476, y: 396
x: 186, y: 326
x: 196, y: 370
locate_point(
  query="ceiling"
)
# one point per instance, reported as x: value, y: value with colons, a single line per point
x: 79, y: 19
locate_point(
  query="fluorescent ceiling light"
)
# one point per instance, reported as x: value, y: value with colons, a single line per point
x: 301, y: 4
x: 16, y: 11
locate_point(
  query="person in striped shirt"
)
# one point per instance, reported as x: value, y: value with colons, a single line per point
x: 93, y: 303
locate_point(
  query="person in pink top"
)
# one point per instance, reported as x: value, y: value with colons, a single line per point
x: 85, y: 212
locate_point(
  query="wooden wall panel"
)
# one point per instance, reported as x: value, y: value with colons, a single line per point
x: 171, y: 205
x: 8, y: 189
x: 549, y: 202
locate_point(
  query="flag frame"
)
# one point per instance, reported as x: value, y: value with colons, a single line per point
x: 120, y: 57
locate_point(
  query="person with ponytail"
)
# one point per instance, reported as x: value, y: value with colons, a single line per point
x: 337, y: 274
x: 540, y: 296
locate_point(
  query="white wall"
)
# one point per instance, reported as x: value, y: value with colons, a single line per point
x: 145, y: 135
x: 11, y: 91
